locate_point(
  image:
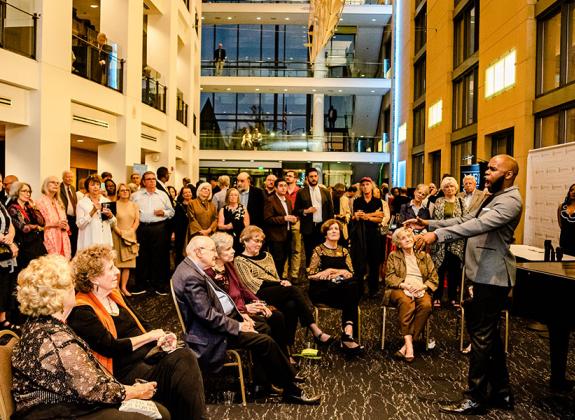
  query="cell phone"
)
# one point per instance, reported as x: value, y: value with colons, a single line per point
x: 103, y: 186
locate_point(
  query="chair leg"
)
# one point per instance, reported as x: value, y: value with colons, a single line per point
x: 359, y: 325
x: 241, y: 375
x: 506, y: 331
x: 384, y: 316
x: 427, y: 328
x: 462, y: 329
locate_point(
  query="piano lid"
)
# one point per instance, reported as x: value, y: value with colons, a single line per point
x: 564, y: 269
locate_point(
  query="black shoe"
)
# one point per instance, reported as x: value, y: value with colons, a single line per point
x: 506, y: 402
x: 301, y: 399
x: 465, y: 407
x: 264, y: 391
x: 349, y: 351
x: 566, y: 385
x: 320, y: 342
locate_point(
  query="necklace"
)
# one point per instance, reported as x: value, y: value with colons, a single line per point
x: 111, y: 307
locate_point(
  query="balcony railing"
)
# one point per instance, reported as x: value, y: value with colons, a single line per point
x: 100, y: 65
x: 153, y: 93
x: 18, y: 30
x: 181, y: 110
x: 292, y: 143
x: 296, y: 1
x: 335, y: 67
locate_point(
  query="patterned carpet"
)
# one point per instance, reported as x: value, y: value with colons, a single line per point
x: 375, y: 386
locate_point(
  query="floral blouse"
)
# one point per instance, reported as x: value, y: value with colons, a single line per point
x: 52, y: 365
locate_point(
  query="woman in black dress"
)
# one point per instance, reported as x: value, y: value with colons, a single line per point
x: 233, y: 217
x: 566, y: 219
x: 331, y: 282
x: 121, y: 341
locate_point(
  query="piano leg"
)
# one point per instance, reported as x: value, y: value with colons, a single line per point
x: 558, y: 348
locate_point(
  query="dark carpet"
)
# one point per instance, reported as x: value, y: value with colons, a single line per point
x: 375, y: 386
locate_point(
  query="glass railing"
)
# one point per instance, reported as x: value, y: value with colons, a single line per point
x: 181, y: 110
x: 351, y: 2
x: 154, y: 93
x: 279, y: 142
x: 18, y: 30
x: 100, y: 65
x: 348, y: 68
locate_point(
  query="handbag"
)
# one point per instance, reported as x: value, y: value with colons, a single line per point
x: 5, y: 252
x: 384, y: 229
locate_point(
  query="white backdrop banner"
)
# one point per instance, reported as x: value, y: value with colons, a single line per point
x: 550, y: 172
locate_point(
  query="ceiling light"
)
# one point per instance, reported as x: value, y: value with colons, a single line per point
x: 373, y: 91
x: 339, y: 90
x: 258, y: 18
x: 314, y: 90
x: 79, y: 141
x: 229, y: 18
x: 94, y: 6
x: 285, y: 90
x: 373, y: 20
x: 257, y: 89
x: 203, y: 17
x: 228, y: 88
x: 251, y: 160
x: 286, y: 18
x: 223, y: 160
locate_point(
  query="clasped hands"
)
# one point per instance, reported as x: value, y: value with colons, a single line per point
x: 258, y: 307
x: 166, y: 340
x: 424, y: 239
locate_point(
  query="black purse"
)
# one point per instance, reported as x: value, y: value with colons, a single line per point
x: 5, y: 252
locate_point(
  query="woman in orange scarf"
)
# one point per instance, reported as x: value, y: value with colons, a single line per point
x: 122, y: 341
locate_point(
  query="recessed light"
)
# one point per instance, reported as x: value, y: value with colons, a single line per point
x: 373, y: 20
x: 340, y: 19
x: 251, y: 160
x: 223, y: 160
x: 258, y: 18
x: 373, y: 91
x: 286, y: 18
x: 285, y: 90
x: 339, y: 90
x: 338, y: 162
x: 203, y: 17
x: 79, y: 141
x: 229, y: 18
x: 257, y: 89
x: 94, y: 6
x: 228, y: 88
x: 314, y: 90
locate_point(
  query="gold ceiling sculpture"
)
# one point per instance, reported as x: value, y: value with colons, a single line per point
x: 323, y: 19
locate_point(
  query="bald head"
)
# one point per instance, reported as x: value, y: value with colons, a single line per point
x: 202, y: 250
x: 501, y: 173
x: 243, y: 181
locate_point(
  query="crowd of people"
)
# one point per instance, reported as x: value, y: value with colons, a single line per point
x: 240, y: 255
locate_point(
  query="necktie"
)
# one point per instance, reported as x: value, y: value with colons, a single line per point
x: 72, y: 197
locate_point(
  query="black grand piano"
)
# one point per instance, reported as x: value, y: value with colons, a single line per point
x: 545, y: 292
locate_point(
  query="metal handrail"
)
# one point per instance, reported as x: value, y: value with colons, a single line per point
x: 154, y: 93
x: 181, y: 110
x: 31, y: 52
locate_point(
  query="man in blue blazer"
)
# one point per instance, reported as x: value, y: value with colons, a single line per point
x: 214, y: 323
x: 490, y: 266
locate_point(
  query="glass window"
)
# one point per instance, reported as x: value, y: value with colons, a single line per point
x: 417, y: 169
x: 548, y: 130
x: 466, y: 33
x: 550, y: 69
x: 460, y: 151
x: 436, y: 167
x: 208, y: 45
x: 570, y: 125
x: 502, y: 143
x: 249, y: 43
x: 421, y: 29
x: 419, y: 78
x: 571, y: 44
x: 465, y: 100
x: 419, y: 125
x: 228, y: 36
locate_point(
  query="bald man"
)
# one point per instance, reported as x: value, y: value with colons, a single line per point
x: 490, y: 268
x: 252, y: 198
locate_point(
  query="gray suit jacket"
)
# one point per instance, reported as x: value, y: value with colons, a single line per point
x: 489, y: 233
x: 206, y: 323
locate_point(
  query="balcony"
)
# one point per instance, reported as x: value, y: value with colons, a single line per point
x: 18, y: 30
x: 100, y: 65
x: 279, y: 142
x: 350, y: 2
x: 153, y: 93
x: 181, y: 109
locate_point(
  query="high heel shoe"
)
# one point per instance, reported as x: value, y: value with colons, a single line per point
x: 346, y: 338
x: 320, y: 342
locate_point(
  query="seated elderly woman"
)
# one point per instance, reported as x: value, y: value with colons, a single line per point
x: 331, y: 282
x: 410, y: 280
x: 258, y: 273
x: 123, y: 342
x: 54, y: 372
x: 250, y: 307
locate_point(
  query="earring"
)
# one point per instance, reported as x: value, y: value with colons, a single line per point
x: 97, y: 286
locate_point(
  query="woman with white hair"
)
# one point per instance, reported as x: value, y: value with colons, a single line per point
x: 54, y: 372
x: 448, y: 257
x: 202, y: 213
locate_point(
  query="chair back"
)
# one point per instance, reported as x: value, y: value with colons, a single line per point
x: 177, y: 307
x: 6, y: 400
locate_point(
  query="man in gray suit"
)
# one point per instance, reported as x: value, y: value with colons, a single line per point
x: 490, y: 266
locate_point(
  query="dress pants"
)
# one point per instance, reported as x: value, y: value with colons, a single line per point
x: 311, y: 240
x: 344, y: 296
x: 280, y: 252
x: 452, y: 266
x: 153, y: 262
x: 291, y: 302
x: 274, y: 326
x: 272, y: 365
x: 413, y: 313
x: 488, y: 376
x: 294, y: 263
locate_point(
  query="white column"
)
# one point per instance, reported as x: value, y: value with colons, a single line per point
x: 319, y: 72
x: 43, y: 147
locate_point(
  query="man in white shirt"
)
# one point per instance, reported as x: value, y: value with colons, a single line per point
x: 153, y: 263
